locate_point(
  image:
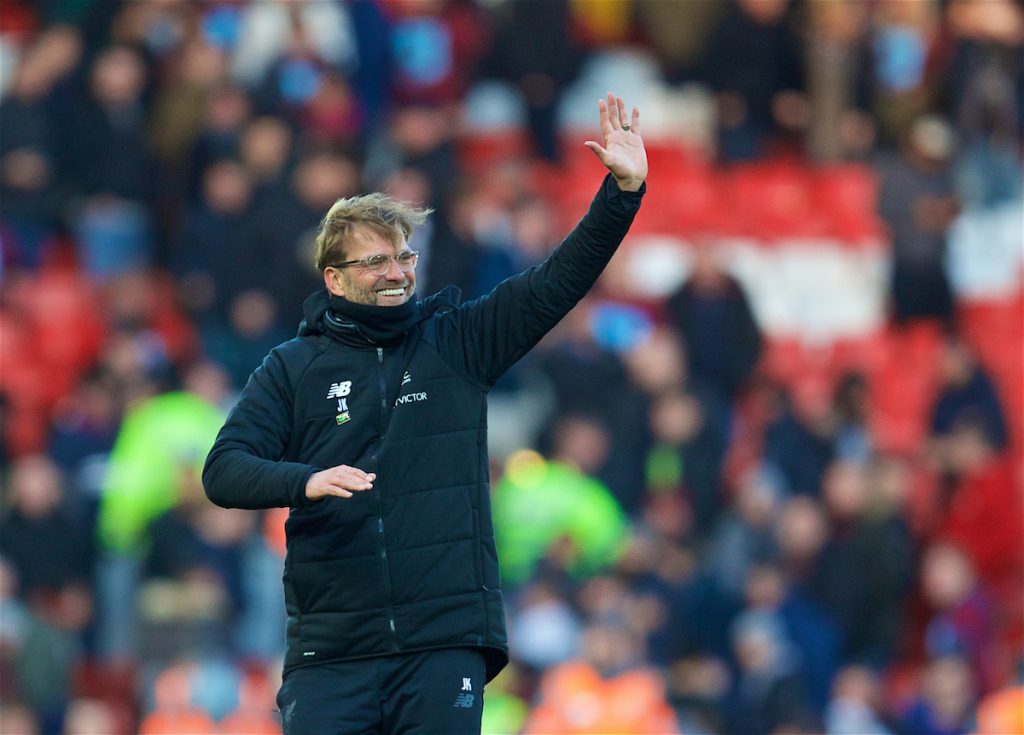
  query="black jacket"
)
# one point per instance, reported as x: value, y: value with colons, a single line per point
x: 411, y: 564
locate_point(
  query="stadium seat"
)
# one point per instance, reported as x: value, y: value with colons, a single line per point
x: 773, y: 200
x: 848, y: 196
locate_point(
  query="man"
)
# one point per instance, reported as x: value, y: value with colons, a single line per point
x: 371, y: 427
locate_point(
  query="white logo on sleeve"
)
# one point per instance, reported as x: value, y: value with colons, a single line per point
x: 407, y: 378
x: 467, y: 684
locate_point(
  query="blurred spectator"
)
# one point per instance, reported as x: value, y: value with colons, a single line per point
x: 90, y: 717
x: 966, y: 394
x: 332, y: 114
x: 159, y: 450
x: 173, y: 711
x: 48, y: 549
x: 255, y: 704
x: 420, y: 137
x: 265, y: 150
x: 160, y: 443
x: 839, y: 128
x: 456, y: 250
x: 755, y: 68
x: 918, y: 203
x: 251, y: 330
x: 816, y: 637
x: 31, y: 148
x: 801, y: 532
x: 947, y: 697
x: 545, y: 629
x: 225, y: 111
x: 853, y: 440
x: 799, y: 440
x: 678, y: 34
x: 214, y: 239
x: 987, y: 87
x: 149, y: 335
x: 983, y: 509
x: 544, y: 506
x: 745, y: 536
x: 697, y: 689
x: 681, y: 610
x: 723, y: 341
x: 112, y: 156
x: 903, y: 47
x: 1001, y: 711
x: 435, y: 48
x: 303, y: 33
x: 19, y: 720
x: 962, y: 623
x: 535, y: 50
x: 612, y: 429
x: 196, y: 543
x: 766, y: 694
x: 686, y: 436
x: 854, y: 709
x: 84, y: 429
x: 865, y: 567
x: 280, y: 235
x: 180, y: 112
x: 113, y: 165
x: 576, y: 698
x: 39, y: 647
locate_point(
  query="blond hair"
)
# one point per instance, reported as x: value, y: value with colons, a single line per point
x: 391, y: 218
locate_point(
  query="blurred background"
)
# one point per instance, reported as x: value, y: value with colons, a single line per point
x: 766, y: 479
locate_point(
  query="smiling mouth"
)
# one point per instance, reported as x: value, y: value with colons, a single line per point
x: 391, y: 292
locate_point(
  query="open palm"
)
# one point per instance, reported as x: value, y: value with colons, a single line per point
x: 623, y: 152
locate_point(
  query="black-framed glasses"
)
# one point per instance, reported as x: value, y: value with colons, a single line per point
x: 380, y: 264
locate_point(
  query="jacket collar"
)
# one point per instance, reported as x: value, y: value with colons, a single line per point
x: 360, y: 325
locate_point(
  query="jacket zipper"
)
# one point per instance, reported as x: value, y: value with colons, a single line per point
x: 380, y: 502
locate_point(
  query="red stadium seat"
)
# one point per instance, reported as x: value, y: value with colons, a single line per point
x: 773, y: 200
x: 848, y: 196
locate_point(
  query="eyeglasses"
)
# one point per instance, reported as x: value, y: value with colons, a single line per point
x: 380, y: 264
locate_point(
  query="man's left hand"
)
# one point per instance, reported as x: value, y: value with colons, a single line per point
x: 623, y: 152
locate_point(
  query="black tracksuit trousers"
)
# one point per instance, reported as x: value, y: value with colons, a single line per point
x: 427, y: 693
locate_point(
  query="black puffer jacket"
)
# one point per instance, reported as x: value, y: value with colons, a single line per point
x: 409, y: 565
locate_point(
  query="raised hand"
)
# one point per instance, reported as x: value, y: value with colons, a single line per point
x: 340, y: 481
x: 623, y: 152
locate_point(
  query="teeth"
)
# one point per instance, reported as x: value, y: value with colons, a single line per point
x: 391, y: 291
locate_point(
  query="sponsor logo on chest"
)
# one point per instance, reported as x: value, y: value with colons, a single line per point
x: 413, y: 397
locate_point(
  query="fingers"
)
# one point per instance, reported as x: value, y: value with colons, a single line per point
x: 598, y: 150
x: 613, y: 111
x: 602, y: 112
x: 613, y: 115
x: 341, y: 481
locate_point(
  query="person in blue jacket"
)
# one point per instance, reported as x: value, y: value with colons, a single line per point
x: 371, y: 427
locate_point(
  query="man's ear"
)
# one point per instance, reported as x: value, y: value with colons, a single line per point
x: 333, y: 281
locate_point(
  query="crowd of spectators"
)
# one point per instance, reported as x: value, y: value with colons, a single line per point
x: 692, y: 541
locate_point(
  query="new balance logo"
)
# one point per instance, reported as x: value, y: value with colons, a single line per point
x: 340, y: 390
x: 465, y: 701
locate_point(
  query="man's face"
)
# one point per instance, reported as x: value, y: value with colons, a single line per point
x: 361, y: 285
